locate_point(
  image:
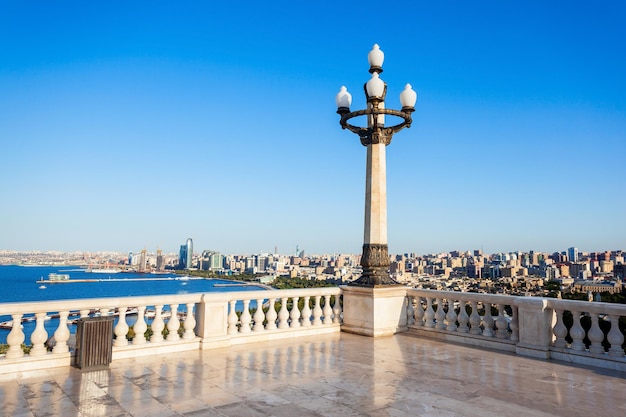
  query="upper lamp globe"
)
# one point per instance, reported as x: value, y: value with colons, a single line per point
x: 408, y: 97
x: 375, y: 58
x: 343, y: 100
x: 375, y: 87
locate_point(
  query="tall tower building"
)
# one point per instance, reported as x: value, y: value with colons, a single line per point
x: 159, y: 260
x: 186, y: 254
x: 189, y: 245
x: 182, y: 256
x: 572, y: 254
x: 143, y: 261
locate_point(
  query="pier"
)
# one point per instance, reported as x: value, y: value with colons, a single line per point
x: 48, y: 281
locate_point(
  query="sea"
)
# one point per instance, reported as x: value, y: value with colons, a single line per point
x: 19, y: 284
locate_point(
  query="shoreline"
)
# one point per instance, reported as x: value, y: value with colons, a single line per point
x: 236, y: 283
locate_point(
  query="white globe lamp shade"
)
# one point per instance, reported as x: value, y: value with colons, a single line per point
x: 343, y: 98
x: 375, y: 59
x: 408, y: 97
x: 375, y: 87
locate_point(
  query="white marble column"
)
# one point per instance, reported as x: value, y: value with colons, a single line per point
x: 375, y: 258
x: 375, y: 231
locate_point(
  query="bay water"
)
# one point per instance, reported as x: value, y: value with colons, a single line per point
x: 19, y: 284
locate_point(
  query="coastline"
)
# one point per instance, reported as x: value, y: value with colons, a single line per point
x: 235, y: 283
x: 32, y: 284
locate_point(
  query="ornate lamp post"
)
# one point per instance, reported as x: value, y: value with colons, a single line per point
x: 376, y: 136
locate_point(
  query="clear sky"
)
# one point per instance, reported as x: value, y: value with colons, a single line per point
x: 131, y: 125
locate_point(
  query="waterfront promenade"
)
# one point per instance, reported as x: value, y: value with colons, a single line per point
x: 326, y: 375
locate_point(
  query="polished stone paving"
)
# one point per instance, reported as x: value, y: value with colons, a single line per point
x: 330, y: 375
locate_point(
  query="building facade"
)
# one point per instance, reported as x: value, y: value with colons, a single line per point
x: 186, y: 255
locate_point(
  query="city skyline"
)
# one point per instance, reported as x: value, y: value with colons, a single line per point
x: 475, y: 252
x: 137, y: 126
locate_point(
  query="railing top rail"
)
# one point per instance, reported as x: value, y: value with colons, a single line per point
x: 573, y: 305
x: 587, y: 306
x: 465, y: 296
x: 255, y: 295
x: 89, y: 303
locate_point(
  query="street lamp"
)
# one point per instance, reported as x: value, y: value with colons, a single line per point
x: 375, y: 257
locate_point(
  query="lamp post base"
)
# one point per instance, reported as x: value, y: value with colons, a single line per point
x: 374, y: 311
x: 375, y: 263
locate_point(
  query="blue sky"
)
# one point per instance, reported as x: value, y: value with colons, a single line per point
x: 131, y: 125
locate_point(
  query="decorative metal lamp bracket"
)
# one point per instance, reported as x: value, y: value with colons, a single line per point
x: 376, y: 133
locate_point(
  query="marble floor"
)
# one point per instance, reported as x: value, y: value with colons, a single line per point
x: 331, y: 375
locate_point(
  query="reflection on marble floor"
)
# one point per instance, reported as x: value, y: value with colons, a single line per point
x: 331, y: 375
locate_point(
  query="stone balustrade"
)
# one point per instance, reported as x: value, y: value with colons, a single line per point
x: 159, y: 311
x: 175, y: 323
x: 478, y: 319
x: 588, y: 333
x: 235, y: 318
x: 574, y: 331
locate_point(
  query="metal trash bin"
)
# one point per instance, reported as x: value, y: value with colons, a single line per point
x: 94, y: 342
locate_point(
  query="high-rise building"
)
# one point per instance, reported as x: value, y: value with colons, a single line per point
x: 186, y: 254
x: 143, y: 260
x: 261, y: 263
x: 182, y: 256
x: 160, y: 265
x: 572, y: 254
x: 575, y: 268
x: 212, y: 261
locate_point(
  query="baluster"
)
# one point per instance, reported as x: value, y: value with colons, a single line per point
x: 173, y: 324
x: 429, y: 315
x: 474, y: 319
x: 419, y: 312
x: 15, y: 338
x: 271, y: 315
x: 232, y: 318
x: 440, y: 316
x: 577, y: 333
x: 451, y: 317
x: 463, y: 318
x: 84, y: 313
x: 615, y: 338
x: 140, y: 326
x: 259, y: 316
x: 104, y: 312
x: 337, y: 309
x: 121, y: 328
x: 559, y: 330
x: 488, y: 321
x: 513, y: 325
x: 283, y: 314
x: 306, y: 312
x: 502, y: 324
x: 62, y: 334
x: 39, y: 336
x: 317, y: 312
x: 157, y: 324
x: 595, y: 335
x: 295, y: 313
x: 410, y: 312
x: 328, y: 312
x: 245, y: 319
x: 190, y: 323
